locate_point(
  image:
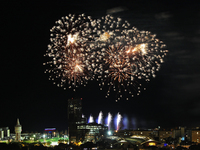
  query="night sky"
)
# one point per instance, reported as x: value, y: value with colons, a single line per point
x: 171, y: 99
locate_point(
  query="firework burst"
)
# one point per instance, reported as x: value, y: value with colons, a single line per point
x: 107, y: 49
x: 134, y: 55
x: 146, y: 52
x: 108, y: 29
x: 118, y: 73
x: 70, y: 50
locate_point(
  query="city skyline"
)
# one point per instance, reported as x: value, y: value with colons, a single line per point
x: 170, y: 99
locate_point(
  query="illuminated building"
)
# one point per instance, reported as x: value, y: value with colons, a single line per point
x: 180, y: 132
x: 1, y: 134
x: 157, y: 134
x: 149, y: 142
x: 79, y: 130
x: 165, y: 134
x: 4, y: 133
x: 91, y: 132
x: 142, y: 132
x: 139, y: 133
x: 74, y: 117
x: 193, y: 135
x: 50, y: 132
x: 18, y: 130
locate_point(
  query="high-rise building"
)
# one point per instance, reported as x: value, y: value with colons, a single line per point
x: 18, y: 130
x: 74, y: 117
x: 79, y: 130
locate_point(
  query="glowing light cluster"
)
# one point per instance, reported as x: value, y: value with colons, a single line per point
x: 106, y: 49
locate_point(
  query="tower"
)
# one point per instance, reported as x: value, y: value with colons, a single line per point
x: 18, y: 130
x: 74, y: 116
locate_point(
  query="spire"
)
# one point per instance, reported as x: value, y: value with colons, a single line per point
x: 18, y: 130
x: 18, y: 121
x: 18, y: 124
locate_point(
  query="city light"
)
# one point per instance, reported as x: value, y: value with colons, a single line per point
x: 109, y: 132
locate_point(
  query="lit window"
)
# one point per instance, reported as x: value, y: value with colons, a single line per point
x: 152, y: 144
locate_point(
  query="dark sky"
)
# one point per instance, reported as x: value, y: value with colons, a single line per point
x: 171, y: 99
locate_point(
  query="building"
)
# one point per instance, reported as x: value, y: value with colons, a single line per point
x: 91, y: 132
x: 4, y: 133
x: 142, y: 132
x: 18, y: 130
x: 123, y: 133
x: 74, y: 117
x: 159, y: 135
x: 50, y: 133
x: 163, y: 134
x: 179, y: 133
x: 193, y: 135
x: 78, y: 129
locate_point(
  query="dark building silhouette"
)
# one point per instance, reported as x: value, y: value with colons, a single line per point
x: 74, y: 117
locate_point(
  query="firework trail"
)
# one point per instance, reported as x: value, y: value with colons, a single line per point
x: 91, y: 119
x: 119, y: 117
x: 100, y: 117
x: 109, y: 121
